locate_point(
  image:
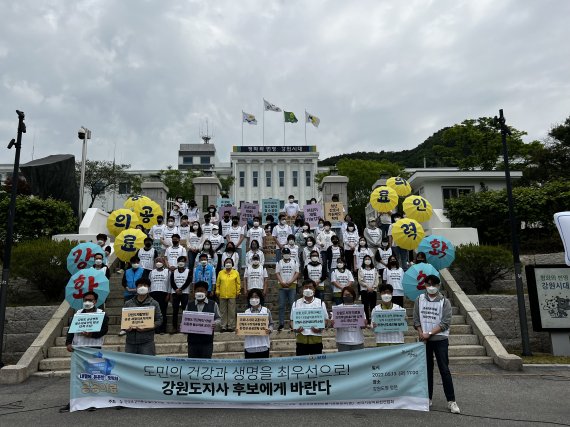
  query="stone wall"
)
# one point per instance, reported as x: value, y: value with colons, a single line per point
x: 23, y: 324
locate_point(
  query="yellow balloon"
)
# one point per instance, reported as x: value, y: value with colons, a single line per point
x: 132, y: 201
x: 402, y: 187
x: 128, y: 243
x: 418, y: 208
x: 121, y: 219
x: 384, y: 199
x: 407, y: 233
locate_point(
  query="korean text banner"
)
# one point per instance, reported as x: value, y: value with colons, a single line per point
x: 377, y: 378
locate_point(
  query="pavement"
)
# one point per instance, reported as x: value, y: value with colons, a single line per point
x: 487, y: 396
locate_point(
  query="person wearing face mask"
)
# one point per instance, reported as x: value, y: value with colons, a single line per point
x: 254, y: 249
x: 184, y: 230
x: 314, y: 271
x: 320, y: 227
x: 344, y: 224
x: 400, y: 253
x: 432, y: 320
x: 213, y: 212
x: 387, y: 303
x: 176, y: 213
x: 360, y: 252
x: 373, y: 236
x: 225, y: 223
x: 270, y: 221
x: 310, y: 247
x: 350, y: 240
x: 207, y: 249
x: 334, y: 252
x: 324, y: 242
x: 168, y: 232
x: 180, y: 281
x: 297, y: 225
x: 147, y: 256
x: 291, y: 208
x: 293, y: 248
x: 183, y: 205
x: 130, y: 278
x: 102, y: 241
x: 302, y: 234
x: 193, y: 211
x: 201, y: 346
x: 174, y: 252
x: 207, y: 226
x: 230, y: 253
x: 368, y: 281
x: 228, y: 288
x: 257, y: 346
x: 394, y: 275
x: 141, y: 340
x: 155, y: 234
x: 217, y: 244
x: 195, y: 240
x: 256, y: 233
x: 236, y: 236
x: 281, y: 231
x: 420, y: 257
x: 160, y: 290
x: 348, y: 338
x: 309, y: 341
x: 100, y: 265
x: 205, y: 272
x: 341, y: 277
x: 287, y: 273
x: 255, y: 276
x: 382, y: 256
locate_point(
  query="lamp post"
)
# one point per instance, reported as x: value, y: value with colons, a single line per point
x: 84, y: 134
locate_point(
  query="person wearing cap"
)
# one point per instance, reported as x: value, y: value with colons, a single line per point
x: 201, y: 346
x: 432, y: 320
x: 147, y: 256
x: 257, y: 346
x: 287, y: 272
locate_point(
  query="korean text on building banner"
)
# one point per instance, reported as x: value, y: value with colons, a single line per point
x: 137, y: 317
x: 197, y: 322
x: 348, y: 316
x: 308, y: 318
x: 390, y: 321
x: 247, y: 212
x: 270, y: 207
x: 86, y: 322
x: 252, y: 324
x: 391, y: 377
x: 312, y: 214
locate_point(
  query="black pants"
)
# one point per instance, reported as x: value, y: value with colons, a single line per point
x: 257, y: 355
x: 398, y: 300
x: 160, y: 298
x: 200, y: 351
x: 369, y: 302
x: 177, y: 301
x: 440, y: 350
x: 307, y: 349
x: 349, y: 258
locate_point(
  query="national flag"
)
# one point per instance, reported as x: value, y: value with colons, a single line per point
x: 271, y: 107
x: 290, y: 117
x: 314, y: 120
x: 249, y: 118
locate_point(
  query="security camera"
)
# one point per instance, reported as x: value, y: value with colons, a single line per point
x: 84, y: 133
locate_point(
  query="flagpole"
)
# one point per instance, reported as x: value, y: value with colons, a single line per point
x: 283, y: 129
x: 242, y: 128
x: 263, y: 124
x: 305, y: 127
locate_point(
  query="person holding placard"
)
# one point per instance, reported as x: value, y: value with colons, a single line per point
x: 368, y: 281
x: 160, y: 289
x: 432, y: 320
x: 309, y: 340
x: 314, y: 271
x: 228, y: 287
x: 180, y: 280
x: 141, y: 340
x: 201, y: 346
x: 257, y: 346
x: 349, y: 338
x: 394, y: 275
x: 287, y: 272
x: 255, y: 276
x: 341, y: 277
x: 387, y: 338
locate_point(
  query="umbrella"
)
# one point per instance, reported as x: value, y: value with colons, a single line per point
x: 83, y: 256
x: 439, y: 251
x: 147, y: 211
x: 418, y: 208
x: 400, y: 185
x: 121, y: 219
x: 414, y: 279
x: 128, y: 243
x: 407, y: 233
x: 384, y: 199
x: 133, y: 200
x: 83, y: 281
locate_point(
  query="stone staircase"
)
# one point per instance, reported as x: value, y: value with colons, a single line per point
x: 464, y: 345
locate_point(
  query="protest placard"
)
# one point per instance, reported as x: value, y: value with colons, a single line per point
x: 270, y: 207
x: 252, y: 324
x: 224, y: 201
x: 308, y: 318
x: 334, y: 212
x: 348, y: 316
x: 197, y: 322
x: 86, y: 322
x: 231, y: 209
x: 312, y: 214
x: 269, y: 244
x: 390, y: 321
x: 247, y: 212
x: 137, y: 317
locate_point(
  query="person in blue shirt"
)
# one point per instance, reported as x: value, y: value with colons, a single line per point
x: 130, y: 277
x: 205, y: 272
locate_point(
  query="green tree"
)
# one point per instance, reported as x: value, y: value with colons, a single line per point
x: 179, y: 182
x: 226, y: 183
x: 102, y: 176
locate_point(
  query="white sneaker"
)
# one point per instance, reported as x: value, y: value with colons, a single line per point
x: 430, y: 403
x: 453, y: 408
x: 122, y: 332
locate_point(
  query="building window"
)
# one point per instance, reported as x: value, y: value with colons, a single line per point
x: 308, y: 182
x: 268, y: 178
x: 242, y: 179
x: 255, y: 176
x: 187, y: 160
x: 124, y: 188
x: 204, y: 160
x: 281, y: 178
x: 295, y: 178
x: 453, y: 192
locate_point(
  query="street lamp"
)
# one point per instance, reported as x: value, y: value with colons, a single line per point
x: 84, y: 134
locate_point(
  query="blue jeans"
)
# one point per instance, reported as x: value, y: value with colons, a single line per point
x: 440, y: 350
x: 286, y: 296
x: 402, y: 256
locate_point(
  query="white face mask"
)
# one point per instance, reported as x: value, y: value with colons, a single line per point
x: 207, y: 247
x: 286, y: 256
x: 310, y: 244
x: 327, y: 227
x: 315, y: 259
x: 228, y: 266
x: 159, y: 265
x: 256, y: 224
x: 340, y: 265
x: 254, y: 302
x: 432, y: 290
x: 181, y: 264
x: 350, y: 229
x: 194, y: 227
x: 215, y: 231
x: 308, y: 293
x: 386, y: 297
x: 135, y: 265
x: 170, y: 223
x: 362, y: 242
x: 291, y: 200
x: 367, y: 262
x: 88, y: 305
x: 255, y: 263
x: 98, y: 262
x: 200, y: 296
x: 283, y: 222
x: 142, y: 290
x: 204, y: 262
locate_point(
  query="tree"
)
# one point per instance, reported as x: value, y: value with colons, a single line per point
x: 226, y: 184
x: 23, y: 186
x: 102, y: 176
x: 179, y: 183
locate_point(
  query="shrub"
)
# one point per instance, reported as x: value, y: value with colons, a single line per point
x: 482, y: 265
x: 43, y: 263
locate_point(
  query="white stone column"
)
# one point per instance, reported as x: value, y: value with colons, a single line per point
x: 287, y: 178
x: 248, y: 182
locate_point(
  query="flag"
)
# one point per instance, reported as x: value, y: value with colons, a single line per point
x: 249, y: 118
x: 290, y: 117
x: 271, y: 107
x: 314, y: 120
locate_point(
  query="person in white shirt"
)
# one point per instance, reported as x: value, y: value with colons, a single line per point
x: 156, y: 234
x: 382, y: 256
x: 207, y: 226
x: 348, y: 338
x: 193, y: 211
x: 236, y: 236
x: 291, y: 208
x: 394, y: 275
x: 287, y: 272
x: 256, y: 233
x: 183, y: 205
x: 180, y: 281
x: 324, y: 241
x: 218, y: 243
x: 176, y: 213
x: 350, y: 240
x: 174, y: 252
x: 231, y: 252
x: 281, y: 231
x: 293, y: 248
x: 341, y: 277
x: 255, y: 276
x: 309, y: 341
x: 254, y: 250
x: 387, y: 303
x: 147, y: 255
x: 314, y: 271
x: 360, y: 253
x: 168, y: 231
x: 257, y: 346
x: 373, y: 236
x: 213, y: 212
x: 194, y: 243
x: 344, y: 224
x: 184, y: 230
x: 160, y: 289
x: 311, y: 246
x: 368, y: 281
x: 225, y: 224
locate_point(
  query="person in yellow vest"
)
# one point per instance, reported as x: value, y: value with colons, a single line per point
x: 228, y: 287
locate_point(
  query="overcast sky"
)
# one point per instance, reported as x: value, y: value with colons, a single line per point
x: 144, y: 75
